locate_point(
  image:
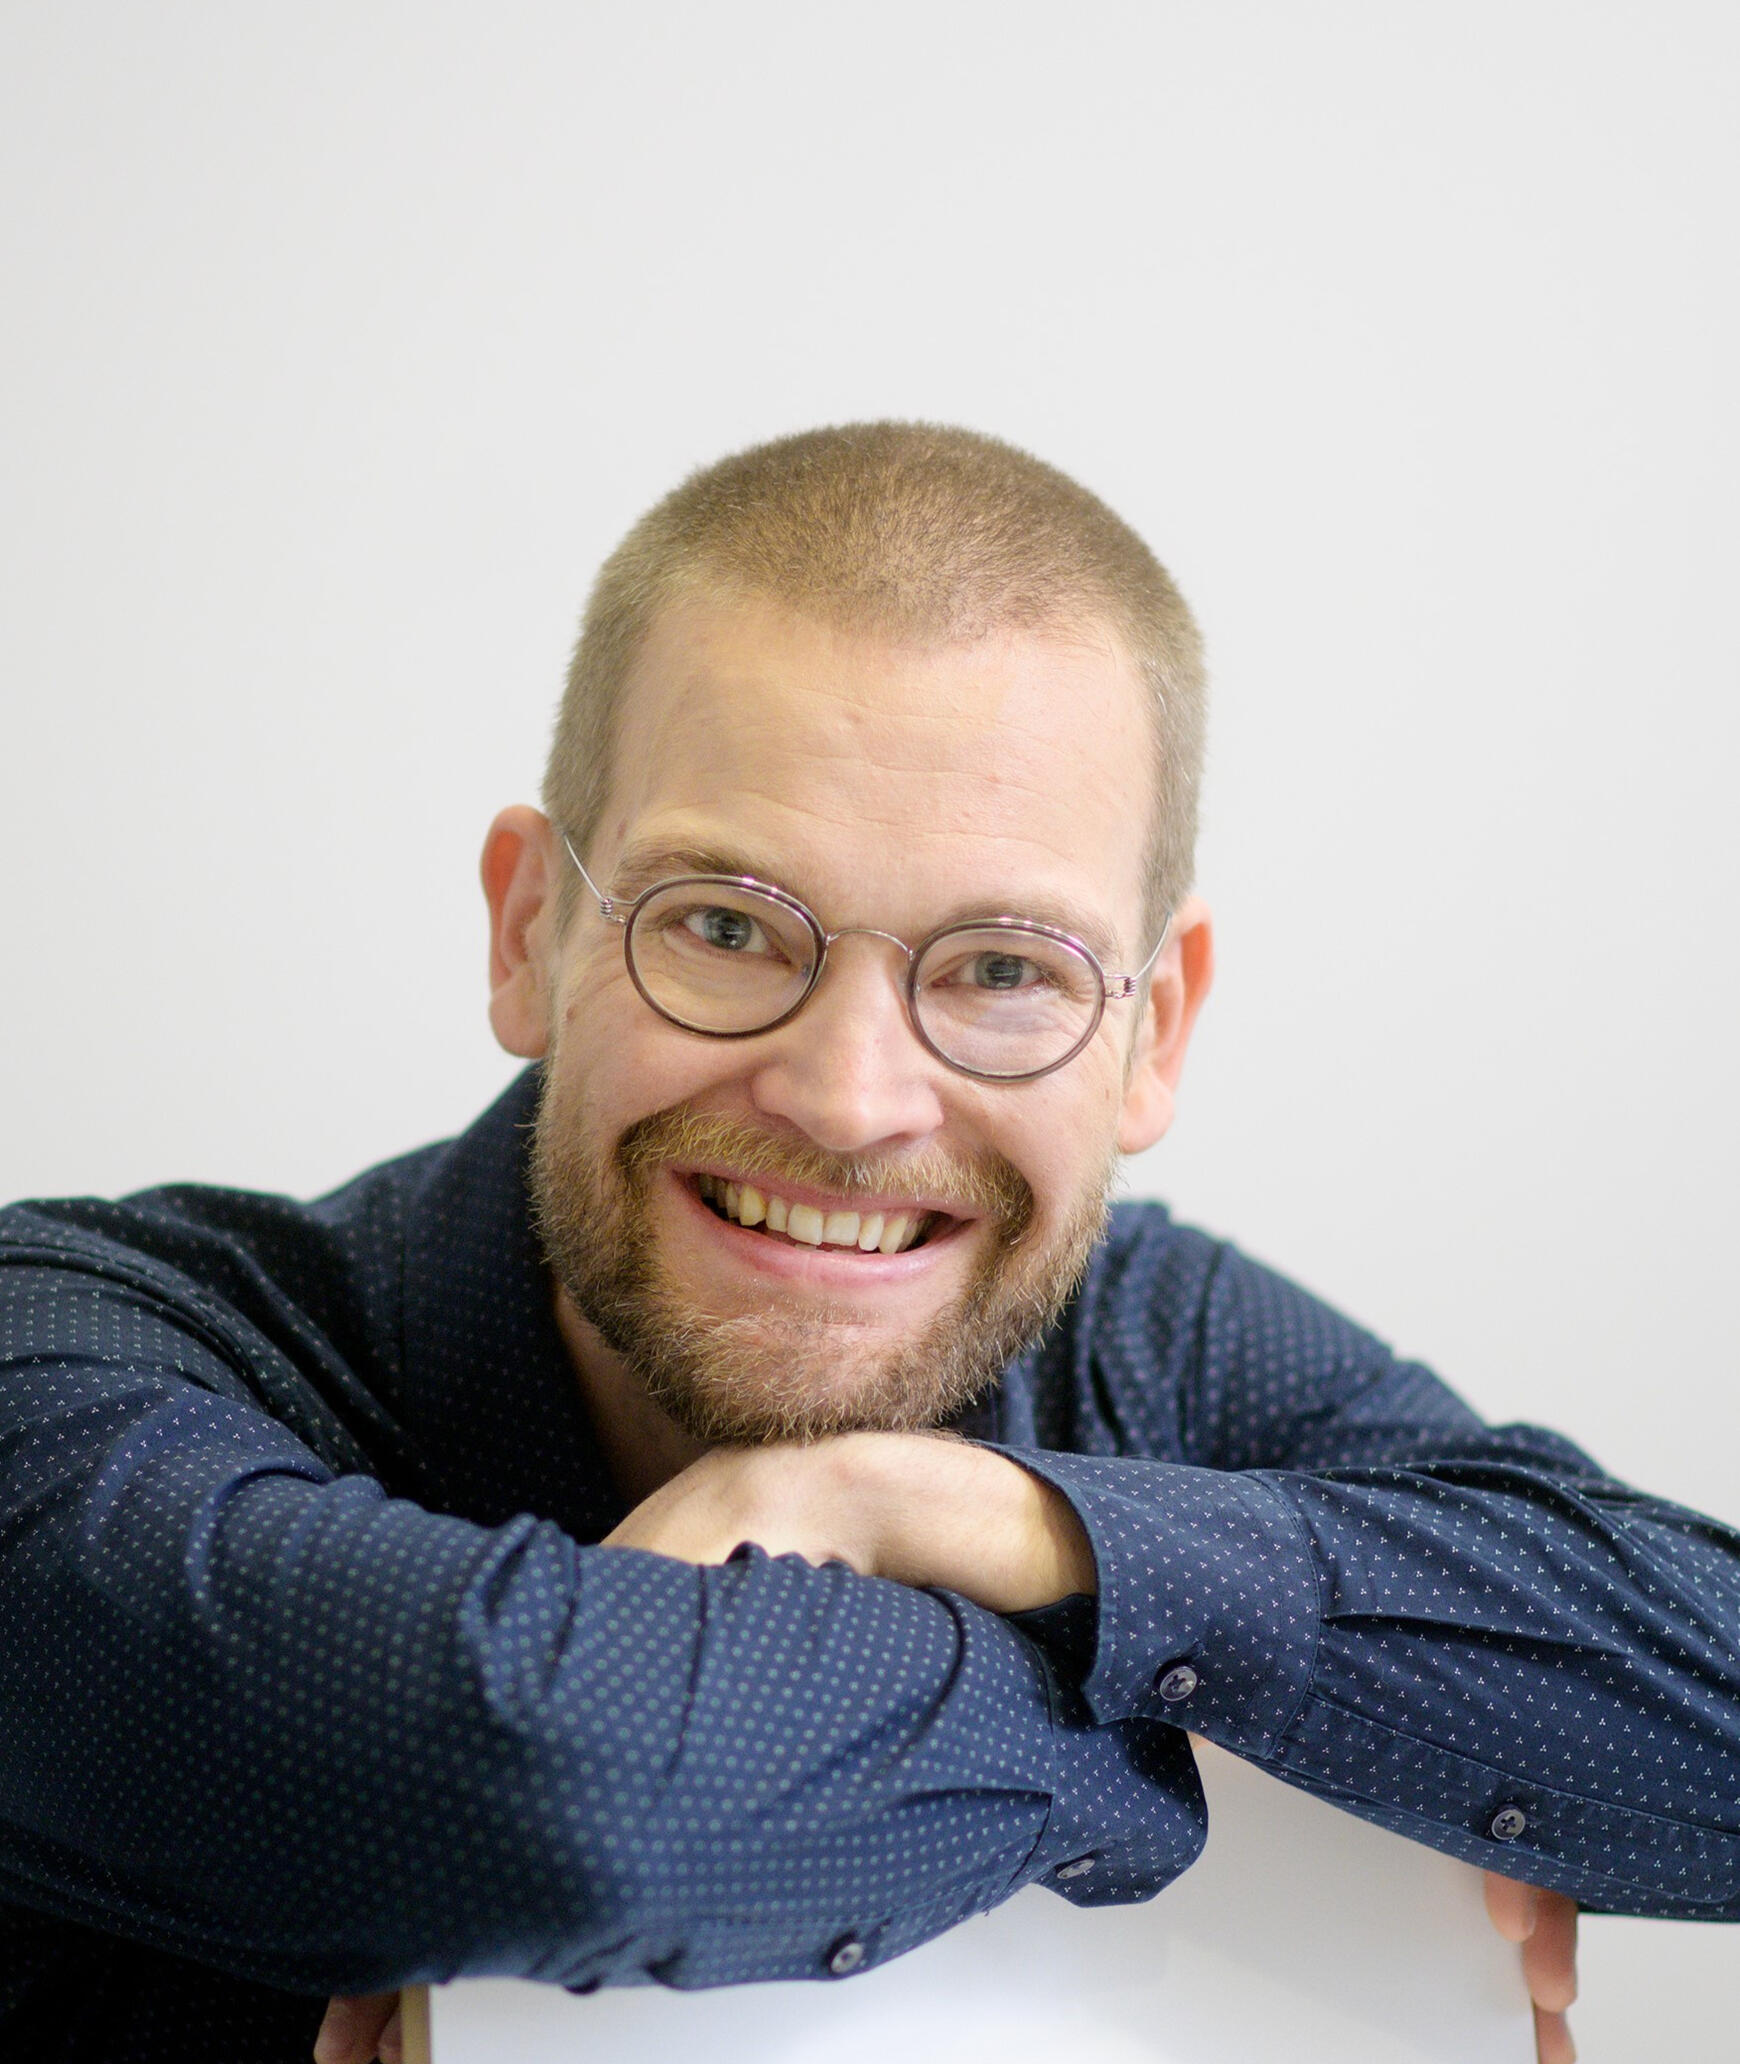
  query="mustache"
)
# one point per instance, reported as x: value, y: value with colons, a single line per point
x: 965, y: 1185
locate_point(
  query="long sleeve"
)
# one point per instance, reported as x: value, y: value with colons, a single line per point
x: 259, y: 1714
x: 1467, y: 1634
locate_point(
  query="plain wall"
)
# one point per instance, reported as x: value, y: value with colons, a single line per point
x: 341, y: 341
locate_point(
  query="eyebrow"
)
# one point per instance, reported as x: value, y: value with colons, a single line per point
x: 640, y: 867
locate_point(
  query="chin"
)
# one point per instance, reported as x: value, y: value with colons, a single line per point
x: 763, y: 1377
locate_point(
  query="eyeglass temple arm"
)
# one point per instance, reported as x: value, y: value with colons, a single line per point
x: 1121, y: 986
x: 607, y: 905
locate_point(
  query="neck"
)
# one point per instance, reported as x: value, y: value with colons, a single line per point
x: 643, y: 1446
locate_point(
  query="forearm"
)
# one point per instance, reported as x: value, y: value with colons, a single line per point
x: 1492, y: 1653
x: 278, y: 1723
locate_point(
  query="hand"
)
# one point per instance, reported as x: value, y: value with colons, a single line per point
x: 920, y: 1509
x: 359, y: 2027
x: 1545, y: 1923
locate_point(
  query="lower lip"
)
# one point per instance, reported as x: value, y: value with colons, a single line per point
x: 835, y: 1268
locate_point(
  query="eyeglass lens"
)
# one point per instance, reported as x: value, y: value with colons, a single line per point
x: 720, y: 959
x: 998, y: 1000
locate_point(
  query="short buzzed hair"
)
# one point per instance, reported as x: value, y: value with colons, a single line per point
x: 915, y: 530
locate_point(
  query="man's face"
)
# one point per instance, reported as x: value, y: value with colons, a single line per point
x: 886, y: 785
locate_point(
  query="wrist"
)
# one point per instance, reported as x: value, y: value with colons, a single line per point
x: 950, y: 1515
x: 1076, y: 1572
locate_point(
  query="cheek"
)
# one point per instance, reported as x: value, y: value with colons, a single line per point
x: 1064, y: 1143
x: 604, y: 1026
x: 623, y: 1062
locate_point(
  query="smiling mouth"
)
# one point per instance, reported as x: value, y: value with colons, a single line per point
x: 807, y: 1225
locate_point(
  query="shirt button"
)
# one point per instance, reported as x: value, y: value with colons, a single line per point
x: 1079, y: 1869
x: 845, y: 1956
x: 1507, y: 1823
x: 1178, y: 1683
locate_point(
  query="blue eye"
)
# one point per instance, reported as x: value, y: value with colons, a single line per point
x: 731, y: 931
x: 1001, y: 971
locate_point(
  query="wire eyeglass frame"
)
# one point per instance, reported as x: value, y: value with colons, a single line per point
x: 1110, y: 988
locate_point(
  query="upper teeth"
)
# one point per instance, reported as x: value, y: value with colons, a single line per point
x: 886, y: 1232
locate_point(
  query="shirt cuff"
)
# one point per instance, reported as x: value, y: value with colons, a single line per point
x: 1209, y: 1609
x: 1127, y: 1811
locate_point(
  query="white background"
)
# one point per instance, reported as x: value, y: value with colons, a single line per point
x: 342, y: 340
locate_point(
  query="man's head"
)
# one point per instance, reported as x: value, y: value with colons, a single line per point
x: 917, y: 531
x: 893, y: 671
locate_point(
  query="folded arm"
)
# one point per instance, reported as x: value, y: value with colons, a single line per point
x: 261, y: 1715
x: 940, y: 1512
x: 1467, y: 1634
x: 1487, y: 1647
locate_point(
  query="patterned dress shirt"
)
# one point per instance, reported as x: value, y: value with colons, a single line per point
x: 312, y: 1677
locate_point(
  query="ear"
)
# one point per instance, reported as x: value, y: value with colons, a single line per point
x: 1177, y: 990
x: 520, y: 881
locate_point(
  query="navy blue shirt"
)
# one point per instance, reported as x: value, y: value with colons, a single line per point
x: 313, y: 1679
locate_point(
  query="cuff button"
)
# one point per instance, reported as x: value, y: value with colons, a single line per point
x: 1507, y: 1823
x: 1177, y: 1684
x: 1078, y: 1869
x: 845, y: 1956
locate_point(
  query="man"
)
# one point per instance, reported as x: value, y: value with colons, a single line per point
x: 540, y: 1556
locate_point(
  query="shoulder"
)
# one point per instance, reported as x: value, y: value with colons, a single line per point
x: 287, y: 1304
x: 1179, y: 1343
x: 1151, y: 1271
x: 197, y: 1242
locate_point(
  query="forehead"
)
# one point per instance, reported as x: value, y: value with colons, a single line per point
x: 848, y: 763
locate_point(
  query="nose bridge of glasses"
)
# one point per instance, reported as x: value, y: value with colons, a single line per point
x: 869, y: 932
x: 855, y: 981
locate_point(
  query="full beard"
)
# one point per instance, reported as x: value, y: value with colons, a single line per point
x: 800, y: 1373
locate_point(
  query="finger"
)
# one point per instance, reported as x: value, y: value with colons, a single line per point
x: 392, y: 2044
x: 1510, y: 1906
x: 1553, y: 2044
x: 1549, y: 1957
x: 351, y: 2030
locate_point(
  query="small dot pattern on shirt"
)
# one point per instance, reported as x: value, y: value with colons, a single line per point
x: 310, y: 1679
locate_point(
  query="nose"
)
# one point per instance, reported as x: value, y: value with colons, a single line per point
x: 848, y: 1070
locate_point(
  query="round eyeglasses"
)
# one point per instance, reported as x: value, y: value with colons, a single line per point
x: 1001, y: 998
